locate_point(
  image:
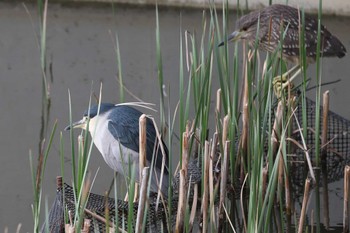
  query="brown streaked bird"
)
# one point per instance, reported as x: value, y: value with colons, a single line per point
x: 275, y: 20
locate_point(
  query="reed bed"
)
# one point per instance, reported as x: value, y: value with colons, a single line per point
x: 250, y: 142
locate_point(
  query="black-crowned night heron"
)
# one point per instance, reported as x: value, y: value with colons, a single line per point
x: 115, y: 133
x: 275, y: 20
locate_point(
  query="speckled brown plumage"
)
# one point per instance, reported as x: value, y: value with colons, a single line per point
x: 273, y: 20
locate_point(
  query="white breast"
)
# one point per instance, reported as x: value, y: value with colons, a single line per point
x: 115, y: 154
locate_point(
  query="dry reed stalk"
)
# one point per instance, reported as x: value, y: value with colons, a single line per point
x: 179, y: 226
x: 211, y: 183
x: 304, y: 148
x: 280, y: 176
x: 183, y: 185
x: 142, y: 200
x: 69, y: 227
x: 225, y: 128
x: 304, y: 205
x: 86, y: 227
x: 287, y: 186
x: 245, y: 116
x: 184, y: 164
x: 213, y: 151
x: 136, y: 192
x: 323, y: 157
x: 346, y: 199
x: 205, y: 188
x: 243, y: 142
x: 126, y: 198
x: 223, y: 185
x: 325, y: 123
x: 218, y: 107
x: 277, y: 127
x: 218, y: 100
x: 142, y: 144
x: 194, y: 207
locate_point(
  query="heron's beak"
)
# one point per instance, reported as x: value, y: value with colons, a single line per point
x: 234, y: 36
x: 78, y: 124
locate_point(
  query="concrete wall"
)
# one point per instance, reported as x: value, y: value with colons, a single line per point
x: 330, y: 7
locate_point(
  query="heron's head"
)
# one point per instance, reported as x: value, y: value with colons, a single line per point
x: 246, y: 28
x: 90, y: 116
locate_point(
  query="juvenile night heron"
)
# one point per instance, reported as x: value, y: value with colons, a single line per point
x: 275, y: 20
x: 115, y: 133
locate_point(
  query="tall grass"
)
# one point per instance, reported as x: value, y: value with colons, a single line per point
x: 317, y: 119
x: 253, y: 137
x: 38, y: 173
x: 260, y: 213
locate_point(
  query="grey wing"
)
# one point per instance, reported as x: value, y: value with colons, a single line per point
x: 126, y: 134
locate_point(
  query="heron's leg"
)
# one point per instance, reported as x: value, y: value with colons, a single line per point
x: 281, y: 82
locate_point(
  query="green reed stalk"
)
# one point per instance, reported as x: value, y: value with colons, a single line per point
x: 37, y: 178
x: 120, y: 73
x: 317, y: 119
x: 160, y: 74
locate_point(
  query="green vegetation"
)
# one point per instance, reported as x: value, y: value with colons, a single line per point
x: 256, y: 148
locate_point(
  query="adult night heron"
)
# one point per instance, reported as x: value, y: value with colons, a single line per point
x: 115, y: 133
x: 267, y: 26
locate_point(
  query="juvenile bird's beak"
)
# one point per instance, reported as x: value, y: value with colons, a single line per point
x: 78, y: 124
x: 234, y: 36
